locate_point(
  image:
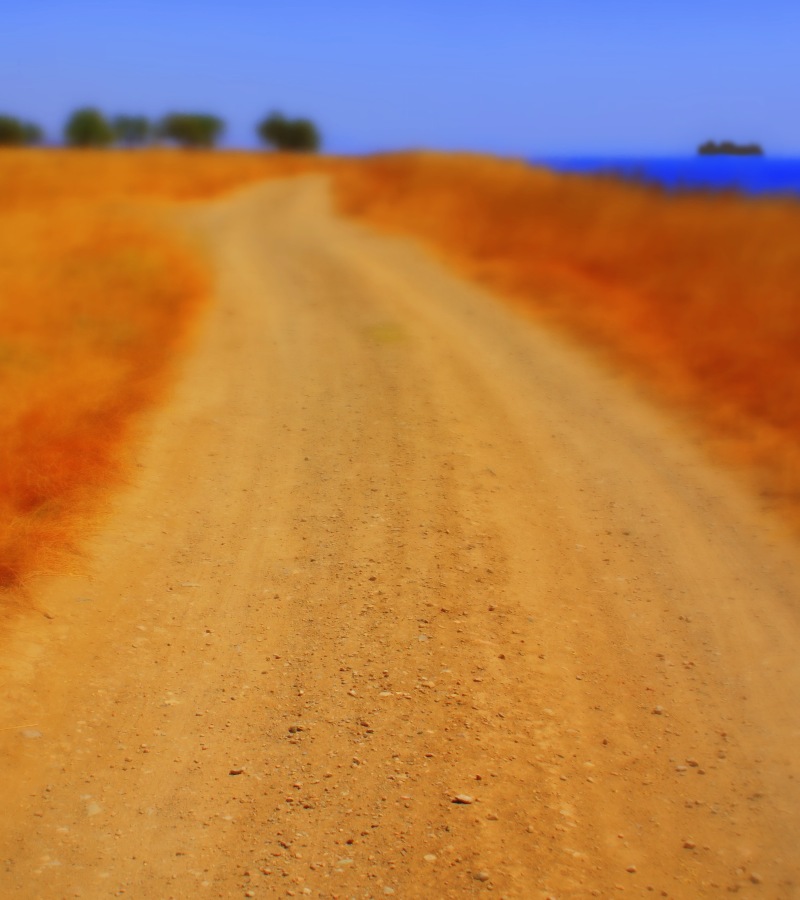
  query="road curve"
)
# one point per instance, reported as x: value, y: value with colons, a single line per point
x: 406, y: 597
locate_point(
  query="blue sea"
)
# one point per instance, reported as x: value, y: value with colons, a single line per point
x: 752, y: 175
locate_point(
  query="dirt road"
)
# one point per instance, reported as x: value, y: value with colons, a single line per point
x: 405, y: 598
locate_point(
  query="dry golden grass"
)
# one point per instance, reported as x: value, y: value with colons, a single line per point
x: 46, y: 176
x: 697, y: 296
x: 98, y: 293
x: 95, y: 299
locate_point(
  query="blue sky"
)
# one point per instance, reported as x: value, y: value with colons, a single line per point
x: 508, y: 76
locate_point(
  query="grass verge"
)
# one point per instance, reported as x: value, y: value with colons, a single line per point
x: 96, y: 299
x: 697, y: 296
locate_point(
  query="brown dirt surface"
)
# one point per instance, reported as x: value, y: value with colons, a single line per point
x: 390, y: 546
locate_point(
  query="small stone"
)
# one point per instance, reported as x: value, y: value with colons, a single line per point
x: 481, y: 876
x: 429, y: 857
x: 693, y: 763
x: 294, y: 729
x: 236, y: 771
x: 631, y: 869
x: 658, y: 710
x: 756, y: 879
x: 689, y: 845
x: 464, y: 799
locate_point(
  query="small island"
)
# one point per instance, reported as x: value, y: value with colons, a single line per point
x: 729, y: 148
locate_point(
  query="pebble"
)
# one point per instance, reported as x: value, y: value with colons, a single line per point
x: 293, y: 729
x: 429, y: 857
x: 236, y: 771
x: 658, y: 710
x: 631, y: 869
x: 463, y: 799
x: 689, y: 845
x: 481, y: 876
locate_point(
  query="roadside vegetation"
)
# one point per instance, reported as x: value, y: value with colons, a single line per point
x: 696, y: 297
x: 96, y: 299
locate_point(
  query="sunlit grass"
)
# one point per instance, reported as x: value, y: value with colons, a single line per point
x: 95, y: 300
x: 697, y: 297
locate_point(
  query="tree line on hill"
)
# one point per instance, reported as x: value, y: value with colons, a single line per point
x: 89, y: 127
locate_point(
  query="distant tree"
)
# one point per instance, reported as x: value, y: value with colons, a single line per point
x: 32, y: 133
x: 16, y: 133
x: 88, y: 127
x: 294, y: 135
x: 10, y: 131
x: 191, y: 129
x: 131, y: 131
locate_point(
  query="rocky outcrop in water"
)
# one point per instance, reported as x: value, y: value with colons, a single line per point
x: 729, y: 148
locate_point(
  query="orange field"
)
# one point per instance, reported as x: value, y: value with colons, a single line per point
x: 697, y: 296
x: 94, y: 303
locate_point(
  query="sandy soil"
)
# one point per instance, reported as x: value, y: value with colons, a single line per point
x: 405, y: 598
